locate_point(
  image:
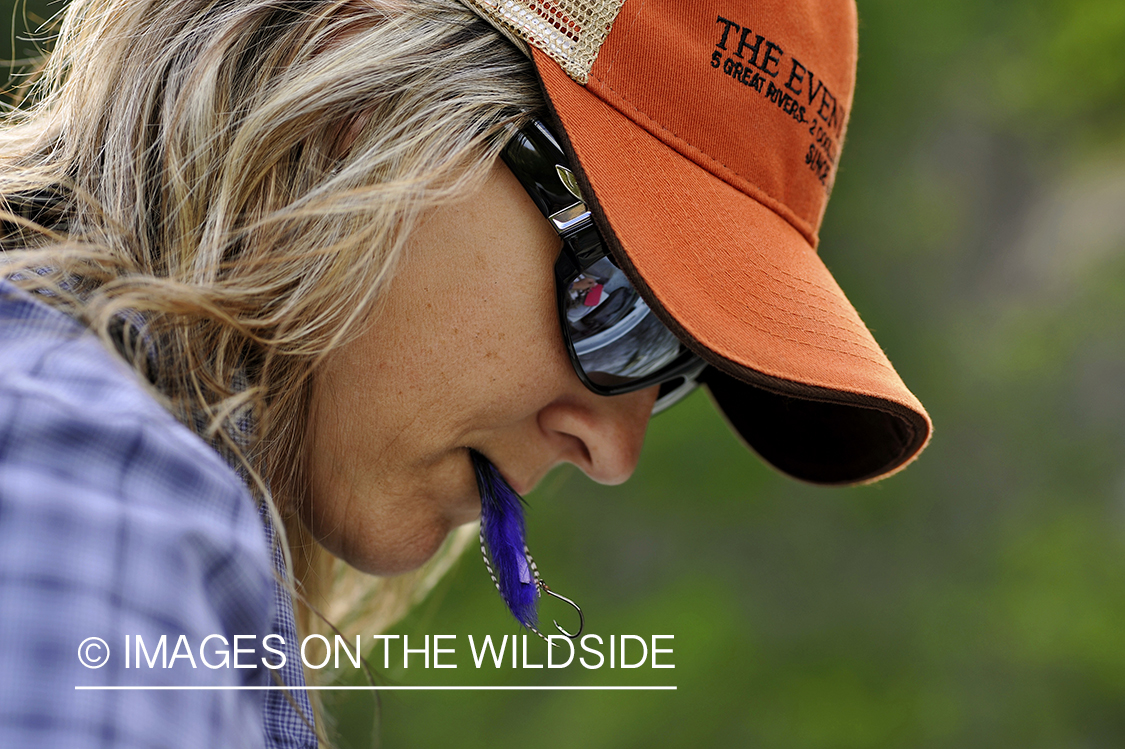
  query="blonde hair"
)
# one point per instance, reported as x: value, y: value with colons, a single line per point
x: 220, y: 190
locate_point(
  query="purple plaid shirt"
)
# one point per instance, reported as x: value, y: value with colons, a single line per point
x: 117, y: 522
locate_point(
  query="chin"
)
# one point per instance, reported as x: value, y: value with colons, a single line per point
x: 388, y: 536
x: 394, y: 555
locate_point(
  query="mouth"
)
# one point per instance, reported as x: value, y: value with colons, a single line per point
x: 519, y: 487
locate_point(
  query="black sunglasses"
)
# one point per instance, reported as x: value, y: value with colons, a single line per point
x: 616, y: 343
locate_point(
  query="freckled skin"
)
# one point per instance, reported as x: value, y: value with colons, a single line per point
x: 465, y: 352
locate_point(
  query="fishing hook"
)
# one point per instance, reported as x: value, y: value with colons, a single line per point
x: 559, y: 627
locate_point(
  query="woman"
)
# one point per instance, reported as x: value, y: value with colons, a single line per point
x: 338, y: 241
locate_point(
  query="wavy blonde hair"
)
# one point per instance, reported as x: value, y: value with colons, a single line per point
x: 221, y: 189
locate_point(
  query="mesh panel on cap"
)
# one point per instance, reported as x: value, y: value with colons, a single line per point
x: 571, y: 32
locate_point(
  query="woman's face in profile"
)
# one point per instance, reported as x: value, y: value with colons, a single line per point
x: 466, y: 352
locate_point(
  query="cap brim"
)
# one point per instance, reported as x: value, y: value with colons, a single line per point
x: 795, y: 370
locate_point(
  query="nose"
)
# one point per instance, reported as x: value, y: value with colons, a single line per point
x: 602, y: 435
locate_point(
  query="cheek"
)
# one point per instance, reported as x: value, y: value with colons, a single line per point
x: 386, y: 459
x: 464, y: 352
x: 393, y: 412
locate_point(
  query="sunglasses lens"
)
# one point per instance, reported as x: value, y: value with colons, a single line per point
x: 615, y: 336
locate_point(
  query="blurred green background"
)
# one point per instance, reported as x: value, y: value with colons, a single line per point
x: 975, y: 600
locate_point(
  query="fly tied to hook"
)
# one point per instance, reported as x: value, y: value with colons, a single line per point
x: 502, y: 542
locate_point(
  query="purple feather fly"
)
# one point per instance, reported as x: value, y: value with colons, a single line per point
x: 502, y: 531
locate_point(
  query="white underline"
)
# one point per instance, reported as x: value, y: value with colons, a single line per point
x: 380, y: 689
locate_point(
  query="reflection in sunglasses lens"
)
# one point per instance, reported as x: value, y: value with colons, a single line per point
x: 616, y: 336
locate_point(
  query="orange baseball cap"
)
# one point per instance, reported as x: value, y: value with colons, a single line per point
x: 708, y: 133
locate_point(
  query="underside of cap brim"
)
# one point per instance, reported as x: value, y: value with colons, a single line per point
x: 799, y: 376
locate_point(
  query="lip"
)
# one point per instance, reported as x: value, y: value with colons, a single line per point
x: 519, y: 487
